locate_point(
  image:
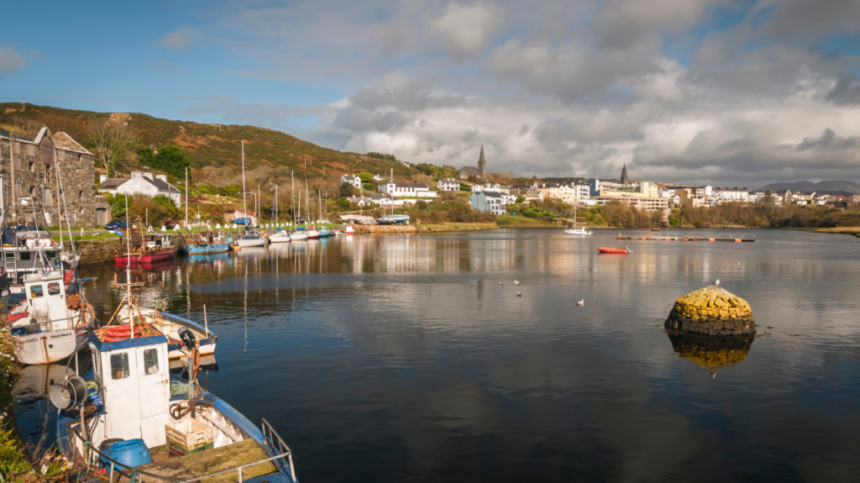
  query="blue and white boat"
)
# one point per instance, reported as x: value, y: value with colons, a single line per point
x: 208, y: 242
x: 130, y: 415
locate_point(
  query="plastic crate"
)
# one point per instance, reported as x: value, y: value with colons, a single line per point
x: 188, y: 436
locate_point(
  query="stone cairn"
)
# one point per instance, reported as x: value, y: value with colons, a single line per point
x: 712, y: 311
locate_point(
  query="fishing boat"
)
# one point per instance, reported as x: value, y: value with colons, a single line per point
x: 27, y: 249
x: 324, y: 233
x: 49, y: 324
x: 208, y: 242
x: 130, y: 416
x: 393, y: 220
x: 148, y: 248
x: 623, y: 251
x: 251, y: 239
x: 584, y: 231
x: 349, y: 230
x: 299, y: 235
x: 312, y: 233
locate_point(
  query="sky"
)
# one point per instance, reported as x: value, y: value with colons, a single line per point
x: 720, y: 92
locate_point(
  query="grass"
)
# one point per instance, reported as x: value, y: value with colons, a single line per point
x: 449, y: 227
x: 847, y: 230
x: 511, y: 221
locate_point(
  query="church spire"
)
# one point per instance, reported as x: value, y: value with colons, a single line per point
x: 624, y: 173
x: 482, y: 164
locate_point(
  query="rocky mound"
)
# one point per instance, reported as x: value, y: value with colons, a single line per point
x: 712, y: 311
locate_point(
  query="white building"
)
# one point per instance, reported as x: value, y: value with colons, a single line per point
x: 353, y: 180
x: 448, y: 184
x: 140, y: 183
x: 488, y: 202
x: 359, y: 200
x: 487, y: 188
x: 730, y: 195
x: 378, y: 177
x: 406, y: 190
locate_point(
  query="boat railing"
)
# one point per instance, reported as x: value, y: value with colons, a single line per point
x: 132, y: 473
x: 278, y: 445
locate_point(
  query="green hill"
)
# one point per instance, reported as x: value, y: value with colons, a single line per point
x: 209, y: 145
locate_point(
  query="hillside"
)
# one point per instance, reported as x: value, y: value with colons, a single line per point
x: 822, y: 187
x: 211, y: 147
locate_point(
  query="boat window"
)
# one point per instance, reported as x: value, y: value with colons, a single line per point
x: 50, y: 254
x: 150, y: 361
x: 36, y: 291
x: 119, y: 365
x: 25, y: 255
x: 53, y: 288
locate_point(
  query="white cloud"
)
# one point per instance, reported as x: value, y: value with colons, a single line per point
x: 10, y: 61
x: 466, y: 28
x: 181, y: 39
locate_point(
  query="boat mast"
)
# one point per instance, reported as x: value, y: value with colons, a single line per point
x: 186, y: 198
x: 244, y: 196
x: 65, y: 208
x: 292, y: 196
x: 307, y: 202
x: 128, y: 231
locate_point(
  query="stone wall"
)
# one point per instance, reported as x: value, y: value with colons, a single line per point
x: 712, y: 311
x: 35, y: 176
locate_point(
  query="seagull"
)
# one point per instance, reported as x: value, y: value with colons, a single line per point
x: 517, y: 283
x: 717, y: 282
x: 501, y: 283
x: 519, y: 294
x: 580, y: 302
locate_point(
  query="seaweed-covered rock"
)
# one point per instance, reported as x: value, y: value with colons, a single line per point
x: 711, y: 353
x: 712, y: 311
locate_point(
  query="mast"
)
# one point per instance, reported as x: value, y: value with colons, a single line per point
x: 65, y: 208
x: 244, y: 196
x: 275, y: 208
x: 14, y: 200
x: 307, y: 203
x: 292, y: 196
x: 186, y: 198
x: 128, y: 270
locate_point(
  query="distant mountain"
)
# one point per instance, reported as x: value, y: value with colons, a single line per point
x: 822, y: 187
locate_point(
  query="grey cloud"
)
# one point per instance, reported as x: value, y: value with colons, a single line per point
x: 829, y: 142
x: 846, y: 91
x: 358, y: 120
x: 401, y: 92
x: 10, y: 61
x: 811, y: 19
x: 181, y: 39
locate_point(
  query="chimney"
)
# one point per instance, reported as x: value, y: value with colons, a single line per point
x: 147, y: 175
x: 162, y: 177
x: 102, y: 178
x: 136, y: 174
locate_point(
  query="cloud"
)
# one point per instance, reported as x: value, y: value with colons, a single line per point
x: 181, y: 39
x: 10, y: 61
x: 846, y: 91
x: 466, y: 28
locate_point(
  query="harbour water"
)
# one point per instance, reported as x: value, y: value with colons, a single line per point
x: 404, y: 359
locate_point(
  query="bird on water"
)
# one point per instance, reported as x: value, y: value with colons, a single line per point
x: 717, y: 282
x: 517, y: 283
x: 519, y: 294
x: 501, y: 283
x: 580, y: 302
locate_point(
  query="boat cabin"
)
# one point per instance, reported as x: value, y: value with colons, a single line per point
x: 187, y: 434
x: 28, y: 250
x: 157, y: 241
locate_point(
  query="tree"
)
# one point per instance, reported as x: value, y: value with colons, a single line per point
x: 345, y: 190
x: 171, y: 159
x: 520, y: 200
x: 113, y: 146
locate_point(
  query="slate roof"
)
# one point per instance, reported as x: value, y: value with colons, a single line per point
x: 471, y: 170
x: 411, y: 185
x: 64, y: 141
x: 112, y: 183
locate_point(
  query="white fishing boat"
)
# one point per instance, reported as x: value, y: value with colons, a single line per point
x: 299, y: 235
x: 280, y: 236
x: 349, y: 230
x: 130, y: 419
x: 575, y: 230
x: 313, y: 234
x: 48, y: 325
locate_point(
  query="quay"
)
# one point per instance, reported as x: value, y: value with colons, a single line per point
x: 687, y: 238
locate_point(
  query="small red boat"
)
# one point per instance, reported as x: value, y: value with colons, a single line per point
x: 146, y: 249
x: 623, y: 251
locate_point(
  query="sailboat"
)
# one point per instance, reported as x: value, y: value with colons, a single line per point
x: 324, y: 233
x: 575, y: 230
x: 280, y: 236
x: 312, y: 233
x: 254, y: 238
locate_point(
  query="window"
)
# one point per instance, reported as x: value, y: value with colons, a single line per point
x: 36, y: 291
x: 47, y: 198
x: 31, y: 166
x: 53, y: 288
x: 150, y: 361
x: 25, y: 255
x: 119, y: 366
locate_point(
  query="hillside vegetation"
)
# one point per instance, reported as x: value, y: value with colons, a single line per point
x: 209, y: 146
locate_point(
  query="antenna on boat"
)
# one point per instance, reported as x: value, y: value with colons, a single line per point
x: 128, y: 266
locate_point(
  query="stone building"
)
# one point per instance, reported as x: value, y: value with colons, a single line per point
x: 479, y: 173
x: 33, y: 176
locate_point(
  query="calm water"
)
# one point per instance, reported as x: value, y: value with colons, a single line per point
x: 404, y: 359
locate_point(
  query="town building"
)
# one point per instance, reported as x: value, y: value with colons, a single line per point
x: 353, y: 180
x: 406, y: 190
x: 448, y: 184
x: 487, y: 187
x: 378, y: 178
x: 29, y: 171
x: 488, y: 202
x: 479, y: 173
x: 140, y: 183
x: 642, y: 204
x: 730, y: 195
x: 359, y: 200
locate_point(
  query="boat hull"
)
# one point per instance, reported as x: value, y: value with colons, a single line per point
x: 257, y: 242
x: 298, y: 236
x: 149, y: 256
x: 46, y: 347
x: 578, y: 231
x: 619, y: 251
x: 206, y: 249
x: 313, y: 234
x: 277, y: 238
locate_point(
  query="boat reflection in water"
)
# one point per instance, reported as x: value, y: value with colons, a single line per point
x: 36, y: 380
x: 711, y: 353
x: 208, y: 257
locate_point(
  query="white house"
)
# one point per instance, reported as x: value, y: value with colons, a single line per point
x: 359, y: 200
x: 488, y: 202
x: 487, y: 188
x: 406, y: 190
x: 140, y: 183
x: 448, y: 184
x: 729, y: 195
x: 353, y: 180
x: 378, y: 177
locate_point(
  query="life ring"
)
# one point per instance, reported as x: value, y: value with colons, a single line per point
x: 120, y: 332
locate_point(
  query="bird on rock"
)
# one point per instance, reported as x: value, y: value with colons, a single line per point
x: 717, y: 282
x: 580, y: 302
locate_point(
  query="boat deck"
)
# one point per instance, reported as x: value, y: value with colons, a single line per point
x: 212, y: 460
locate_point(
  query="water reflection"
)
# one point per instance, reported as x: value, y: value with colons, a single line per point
x: 711, y: 353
